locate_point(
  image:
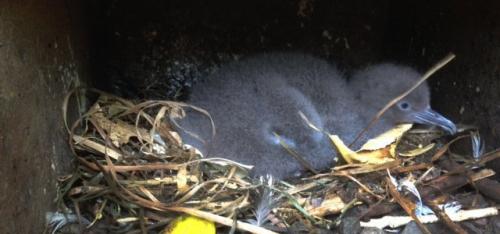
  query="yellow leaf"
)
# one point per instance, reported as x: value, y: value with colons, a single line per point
x: 386, y: 138
x: 375, y: 151
x: 369, y: 156
x: 344, y: 151
x: 190, y: 225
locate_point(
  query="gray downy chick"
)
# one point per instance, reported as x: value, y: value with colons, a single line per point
x: 374, y: 86
x: 252, y: 99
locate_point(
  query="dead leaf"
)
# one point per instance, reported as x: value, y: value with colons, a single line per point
x: 332, y: 204
x: 386, y: 138
x: 379, y: 156
x: 379, y: 150
x: 119, y: 132
x: 182, y: 179
x: 89, y: 144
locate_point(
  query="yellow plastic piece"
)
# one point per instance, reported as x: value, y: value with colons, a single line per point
x: 190, y: 225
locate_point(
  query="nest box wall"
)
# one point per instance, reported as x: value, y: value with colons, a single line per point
x: 43, y: 54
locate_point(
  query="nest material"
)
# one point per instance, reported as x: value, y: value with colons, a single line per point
x: 133, y: 175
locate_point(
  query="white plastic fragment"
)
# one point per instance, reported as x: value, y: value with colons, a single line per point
x: 461, y: 215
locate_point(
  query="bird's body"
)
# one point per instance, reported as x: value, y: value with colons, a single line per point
x: 253, y: 99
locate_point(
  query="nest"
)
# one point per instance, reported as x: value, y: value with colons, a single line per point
x: 133, y: 175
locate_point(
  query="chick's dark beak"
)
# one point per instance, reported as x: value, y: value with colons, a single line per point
x: 431, y: 117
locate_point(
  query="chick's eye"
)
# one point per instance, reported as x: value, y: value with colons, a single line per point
x: 404, y: 106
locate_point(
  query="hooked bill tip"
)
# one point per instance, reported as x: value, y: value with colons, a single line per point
x: 431, y: 117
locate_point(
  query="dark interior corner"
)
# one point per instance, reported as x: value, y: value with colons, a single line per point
x: 157, y: 49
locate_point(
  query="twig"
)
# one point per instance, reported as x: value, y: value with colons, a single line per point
x: 405, y: 204
x: 415, y: 167
x: 444, y: 217
x: 451, y: 181
x: 364, y: 187
x: 445, y: 147
x: 490, y: 156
